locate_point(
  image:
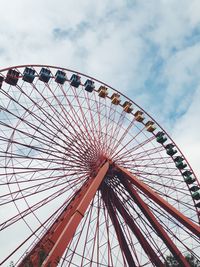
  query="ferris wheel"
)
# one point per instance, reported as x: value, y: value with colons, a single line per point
x: 87, y: 177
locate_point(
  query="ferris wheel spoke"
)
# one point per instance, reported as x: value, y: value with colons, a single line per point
x: 94, y: 121
x: 119, y: 156
x: 35, y: 189
x: 163, y: 217
x: 102, y: 118
x: 156, y: 184
x: 83, y: 119
x: 77, y: 122
x: 151, y: 235
x: 109, y: 113
x: 115, y: 128
x: 147, y: 152
x: 90, y: 117
x: 76, y: 243
x: 97, y: 108
x: 74, y: 117
x: 26, y: 134
x: 34, y: 233
x: 87, y: 233
x: 30, y: 112
x: 160, y: 219
x: 44, y: 111
x: 77, y: 212
x: 47, y: 115
x: 40, y: 149
x: 33, y: 208
x: 123, y: 135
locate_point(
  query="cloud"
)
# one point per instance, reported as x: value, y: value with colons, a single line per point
x: 186, y: 132
x: 149, y: 50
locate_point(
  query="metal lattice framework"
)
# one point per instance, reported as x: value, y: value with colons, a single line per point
x: 87, y: 177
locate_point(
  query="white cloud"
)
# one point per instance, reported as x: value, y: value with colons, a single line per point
x: 186, y: 133
x: 146, y: 49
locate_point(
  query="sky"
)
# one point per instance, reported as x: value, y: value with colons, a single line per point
x: 147, y: 49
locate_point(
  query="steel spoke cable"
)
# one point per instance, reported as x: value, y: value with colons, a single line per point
x: 37, y: 189
x: 67, y: 114
x: 123, y: 136
x: 37, y: 205
x: 78, y: 121
x: 41, y: 149
x: 94, y: 125
x: 86, y: 124
x: 113, y: 125
x: 119, y: 154
x: 33, y: 233
x: 117, y: 132
x: 39, y: 118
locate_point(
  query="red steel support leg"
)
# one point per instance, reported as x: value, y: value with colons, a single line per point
x: 121, y: 238
x: 160, y: 201
x: 70, y: 228
x: 138, y: 234
x: 58, y: 236
x: 156, y: 225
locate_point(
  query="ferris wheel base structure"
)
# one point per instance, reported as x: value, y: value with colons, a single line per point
x: 62, y: 231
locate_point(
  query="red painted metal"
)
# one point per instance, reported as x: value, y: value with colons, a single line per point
x: 152, y: 219
x: 160, y: 201
x: 138, y: 234
x: 68, y: 125
x: 55, y: 241
x: 121, y: 238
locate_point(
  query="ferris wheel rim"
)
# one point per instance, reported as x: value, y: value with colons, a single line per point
x: 87, y: 76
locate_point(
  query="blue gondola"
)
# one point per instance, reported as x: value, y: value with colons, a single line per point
x: 179, y: 163
x: 28, y: 75
x: 170, y: 149
x: 60, y: 77
x: 75, y: 80
x: 188, y: 178
x: 89, y: 85
x: 194, y: 188
x: 160, y: 137
x: 196, y: 195
x: 12, y: 77
x: 45, y: 75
